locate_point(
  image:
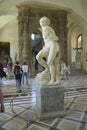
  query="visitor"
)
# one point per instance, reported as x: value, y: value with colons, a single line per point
x: 2, y: 74
x: 5, y: 66
x: 18, y: 75
x: 67, y: 71
x: 25, y: 73
x: 10, y: 63
x: 62, y: 70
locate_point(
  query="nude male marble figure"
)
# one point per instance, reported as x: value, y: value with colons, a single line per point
x: 50, y: 51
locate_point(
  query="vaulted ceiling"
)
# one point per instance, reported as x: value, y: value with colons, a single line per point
x: 8, y: 9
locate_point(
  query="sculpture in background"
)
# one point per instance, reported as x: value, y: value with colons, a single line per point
x: 49, y: 55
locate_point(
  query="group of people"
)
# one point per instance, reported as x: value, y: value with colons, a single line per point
x: 20, y: 74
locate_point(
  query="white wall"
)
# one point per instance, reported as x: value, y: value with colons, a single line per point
x: 9, y: 33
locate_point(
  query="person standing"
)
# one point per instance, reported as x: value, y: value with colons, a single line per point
x: 25, y: 73
x: 2, y: 74
x: 10, y: 63
x: 63, y: 70
x: 5, y: 66
x: 18, y: 75
x: 67, y: 71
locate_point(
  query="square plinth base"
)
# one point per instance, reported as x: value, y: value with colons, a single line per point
x: 49, y: 101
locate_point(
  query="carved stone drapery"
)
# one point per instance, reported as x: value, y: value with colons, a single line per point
x: 28, y: 22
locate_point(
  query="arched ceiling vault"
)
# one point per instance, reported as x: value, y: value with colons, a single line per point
x: 8, y: 10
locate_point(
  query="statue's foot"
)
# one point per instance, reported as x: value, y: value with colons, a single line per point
x: 57, y: 82
x: 51, y: 83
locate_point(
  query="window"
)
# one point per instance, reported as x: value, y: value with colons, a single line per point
x: 79, y: 43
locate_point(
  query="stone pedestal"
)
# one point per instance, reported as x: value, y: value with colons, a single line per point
x: 49, y: 101
x: 78, y: 65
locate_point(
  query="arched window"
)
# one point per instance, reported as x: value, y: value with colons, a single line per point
x: 33, y: 36
x: 79, y: 43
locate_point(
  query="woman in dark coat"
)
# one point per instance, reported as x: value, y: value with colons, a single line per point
x: 2, y: 74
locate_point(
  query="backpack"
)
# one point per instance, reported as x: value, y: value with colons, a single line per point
x: 17, y: 72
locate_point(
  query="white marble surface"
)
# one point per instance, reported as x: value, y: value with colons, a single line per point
x: 49, y: 55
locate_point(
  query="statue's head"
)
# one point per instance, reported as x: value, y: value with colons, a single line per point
x: 44, y: 21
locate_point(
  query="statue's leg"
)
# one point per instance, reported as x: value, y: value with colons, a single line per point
x: 51, y: 58
x: 57, y: 66
x: 40, y: 58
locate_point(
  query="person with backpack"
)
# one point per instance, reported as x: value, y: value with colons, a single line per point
x: 18, y: 75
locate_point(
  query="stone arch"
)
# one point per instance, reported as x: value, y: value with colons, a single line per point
x: 73, y: 33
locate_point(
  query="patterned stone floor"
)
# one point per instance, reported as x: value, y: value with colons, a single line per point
x: 20, y: 107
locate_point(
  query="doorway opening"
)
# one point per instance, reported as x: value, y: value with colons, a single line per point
x: 4, y: 50
x: 37, y: 44
x: 77, y: 53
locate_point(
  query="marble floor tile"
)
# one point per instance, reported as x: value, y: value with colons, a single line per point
x: 16, y: 109
x: 48, y: 121
x: 35, y: 127
x: 68, y: 125
x: 75, y: 115
x: 28, y: 113
x: 4, y: 118
x: 78, y: 107
x: 15, y: 124
x: 82, y: 100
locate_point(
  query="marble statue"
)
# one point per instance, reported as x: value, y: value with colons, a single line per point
x: 49, y: 55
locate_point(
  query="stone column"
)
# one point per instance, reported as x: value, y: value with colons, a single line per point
x: 27, y: 50
x: 20, y: 39
x: 62, y: 27
x: 25, y: 41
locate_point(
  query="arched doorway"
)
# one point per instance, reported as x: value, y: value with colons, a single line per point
x: 75, y: 47
x: 37, y: 44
